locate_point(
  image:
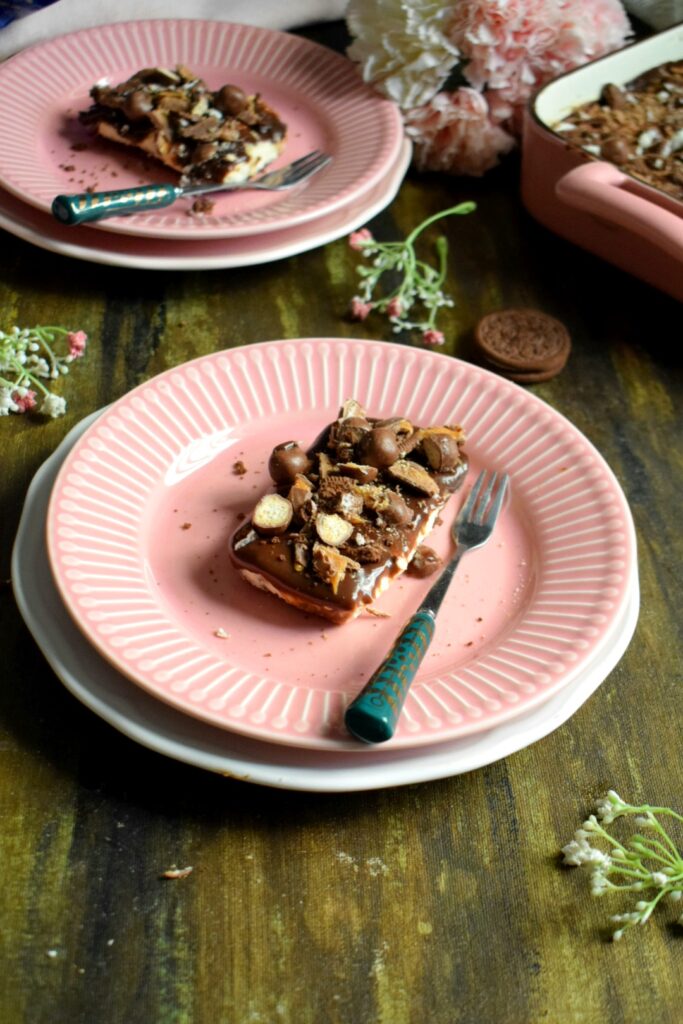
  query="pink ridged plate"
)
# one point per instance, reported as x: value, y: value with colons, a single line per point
x: 141, y: 514
x: 318, y: 94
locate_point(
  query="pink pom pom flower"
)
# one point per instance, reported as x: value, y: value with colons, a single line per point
x: 358, y: 239
x: 24, y: 402
x: 77, y: 341
x: 512, y: 47
x: 432, y: 337
x: 358, y: 309
x: 454, y: 132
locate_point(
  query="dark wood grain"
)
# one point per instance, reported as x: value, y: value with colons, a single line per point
x: 440, y: 902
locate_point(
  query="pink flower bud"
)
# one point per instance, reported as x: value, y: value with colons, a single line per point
x: 26, y: 402
x: 357, y: 239
x: 432, y: 337
x: 359, y: 309
x: 394, y: 307
x: 77, y: 341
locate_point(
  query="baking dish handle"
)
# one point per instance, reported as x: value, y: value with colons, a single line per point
x: 596, y: 188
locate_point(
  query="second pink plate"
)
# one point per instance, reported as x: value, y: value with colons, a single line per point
x: 317, y: 92
x: 143, y: 508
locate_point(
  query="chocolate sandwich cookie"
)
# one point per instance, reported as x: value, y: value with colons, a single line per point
x: 523, y: 344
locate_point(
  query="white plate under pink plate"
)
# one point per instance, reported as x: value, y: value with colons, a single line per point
x: 41, y: 229
x: 317, y: 92
x: 142, y: 511
x: 157, y: 725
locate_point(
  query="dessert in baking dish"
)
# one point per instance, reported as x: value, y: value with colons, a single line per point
x: 638, y: 127
x: 348, y: 514
x: 221, y: 137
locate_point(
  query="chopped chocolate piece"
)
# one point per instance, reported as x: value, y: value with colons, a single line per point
x: 239, y: 469
x: 424, y: 562
x: 332, y: 529
x: 349, y: 505
x: 300, y: 492
x: 272, y: 515
x: 331, y: 565
x: 363, y: 474
x: 441, y: 449
x: 202, y: 205
x: 346, y: 539
x: 395, y: 510
x: 223, y: 137
x: 410, y: 473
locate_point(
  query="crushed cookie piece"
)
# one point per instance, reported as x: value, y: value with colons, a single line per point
x: 239, y: 468
x: 186, y: 526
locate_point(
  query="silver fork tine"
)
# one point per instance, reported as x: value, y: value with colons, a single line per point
x: 307, y: 168
x: 313, y: 155
x: 303, y: 163
x: 478, y: 517
x: 474, y: 493
x: 498, y: 501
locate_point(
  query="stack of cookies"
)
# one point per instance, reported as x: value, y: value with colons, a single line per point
x: 524, y: 345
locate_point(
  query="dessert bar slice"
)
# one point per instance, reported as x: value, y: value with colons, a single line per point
x: 348, y: 515
x: 221, y: 137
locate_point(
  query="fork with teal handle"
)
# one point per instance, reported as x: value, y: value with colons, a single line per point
x: 88, y: 206
x: 374, y: 714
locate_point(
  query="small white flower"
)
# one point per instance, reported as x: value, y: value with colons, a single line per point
x: 599, y: 883
x: 610, y: 807
x: 659, y: 879
x: 53, y: 405
x: 6, y: 404
x: 617, y: 934
x: 674, y: 896
x: 40, y: 366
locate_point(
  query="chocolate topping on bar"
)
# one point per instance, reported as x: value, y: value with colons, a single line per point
x: 353, y: 526
x: 175, y: 117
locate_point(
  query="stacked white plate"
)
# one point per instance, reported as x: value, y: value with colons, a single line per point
x: 147, y: 623
x: 317, y: 93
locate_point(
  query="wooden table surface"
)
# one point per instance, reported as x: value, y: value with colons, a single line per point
x: 440, y: 902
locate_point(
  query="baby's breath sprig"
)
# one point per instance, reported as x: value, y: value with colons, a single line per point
x: 650, y: 863
x: 29, y: 356
x: 421, y: 284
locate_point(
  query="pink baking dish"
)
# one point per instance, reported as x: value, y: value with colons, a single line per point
x: 589, y: 201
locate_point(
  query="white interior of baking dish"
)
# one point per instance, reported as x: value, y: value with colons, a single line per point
x: 583, y: 85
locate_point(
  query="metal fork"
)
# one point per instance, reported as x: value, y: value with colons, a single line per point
x: 87, y: 206
x: 373, y: 715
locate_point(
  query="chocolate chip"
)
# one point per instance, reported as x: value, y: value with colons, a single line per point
x: 380, y: 447
x: 230, y: 99
x: 287, y: 461
x: 615, y: 150
x: 137, y: 105
x: 613, y: 97
x: 396, y: 510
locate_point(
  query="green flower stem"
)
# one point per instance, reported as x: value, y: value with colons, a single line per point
x: 460, y: 209
x: 420, y: 285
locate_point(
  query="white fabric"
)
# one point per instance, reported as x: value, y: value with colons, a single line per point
x: 659, y: 14
x: 70, y: 15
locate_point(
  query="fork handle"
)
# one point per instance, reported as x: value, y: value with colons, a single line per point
x: 87, y: 206
x: 373, y: 715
